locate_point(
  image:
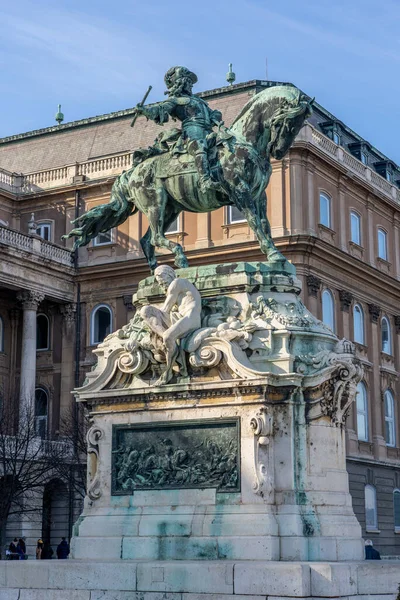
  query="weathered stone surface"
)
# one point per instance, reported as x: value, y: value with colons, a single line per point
x: 41, y: 594
x: 210, y: 577
x: 329, y: 580
x: 273, y: 579
x: 384, y: 578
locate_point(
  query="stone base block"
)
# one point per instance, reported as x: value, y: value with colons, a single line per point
x: 197, y: 580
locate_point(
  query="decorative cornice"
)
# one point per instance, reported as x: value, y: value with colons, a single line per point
x: 68, y: 312
x: 127, y: 298
x: 314, y: 285
x: 346, y: 298
x: 374, y: 312
x: 30, y: 300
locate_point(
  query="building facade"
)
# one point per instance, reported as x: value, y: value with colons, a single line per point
x: 334, y: 208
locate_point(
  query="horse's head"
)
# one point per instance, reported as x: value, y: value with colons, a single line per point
x: 271, y: 120
x: 285, y: 124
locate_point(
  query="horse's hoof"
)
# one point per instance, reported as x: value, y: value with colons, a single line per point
x: 275, y: 256
x: 181, y: 263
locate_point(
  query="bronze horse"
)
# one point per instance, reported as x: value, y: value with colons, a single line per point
x: 164, y: 185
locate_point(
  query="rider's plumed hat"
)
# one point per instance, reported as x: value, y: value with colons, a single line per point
x: 175, y: 73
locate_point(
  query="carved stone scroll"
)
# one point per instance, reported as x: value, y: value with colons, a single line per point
x: 262, y: 426
x: 94, y: 435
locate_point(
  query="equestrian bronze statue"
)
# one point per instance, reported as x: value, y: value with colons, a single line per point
x: 201, y: 166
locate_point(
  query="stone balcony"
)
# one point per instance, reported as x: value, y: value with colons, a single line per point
x: 38, y: 448
x: 28, y: 262
x: 35, y: 245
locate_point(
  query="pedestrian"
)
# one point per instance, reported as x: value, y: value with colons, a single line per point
x: 47, y: 551
x: 39, y: 549
x: 21, y: 542
x: 20, y: 551
x: 370, y: 552
x: 13, y: 549
x: 63, y: 549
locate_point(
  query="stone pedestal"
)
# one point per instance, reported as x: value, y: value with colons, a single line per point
x: 243, y: 458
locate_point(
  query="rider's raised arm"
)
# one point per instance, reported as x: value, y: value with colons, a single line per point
x: 159, y: 113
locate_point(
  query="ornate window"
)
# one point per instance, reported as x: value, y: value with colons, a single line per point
x: 390, y: 432
x: 41, y: 411
x: 174, y: 226
x: 325, y: 210
x: 362, y: 412
x: 364, y: 158
x: 100, y: 323
x: 358, y: 324
x: 1, y: 335
x: 371, y: 512
x: 44, y: 230
x: 336, y: 137
x: 355, y: 227
x: 396, y: 510
x: 386, y: 336
x: 234, y: 215
x: 103, y: 239
x: 382, y: 244
x: 328, y: 309
x: 42, y: 332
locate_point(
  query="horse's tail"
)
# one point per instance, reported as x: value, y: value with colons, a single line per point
x: 101, y: 219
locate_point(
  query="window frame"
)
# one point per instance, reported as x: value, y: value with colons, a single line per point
x: 369, y: 527
x: 1, y: 334
x: 355, y: 214
x: 355, y: 338
x: 177, y: 229
x: 389, y: 352
x: 396, y: 527
x: 363, y: 412
x: 48, y: 332
x: 230, y: 220
x: 336, y: 137
x: 327, y: 197
x: 92, y: 323
x: 48, y: 224
x: 40, y: 418
x: 390, y: 419
x: 97, y: 244
x: 380, y: 230
x: 328, y: 294
x: 364, y: 158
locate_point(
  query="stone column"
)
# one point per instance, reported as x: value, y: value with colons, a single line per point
x: 14, y: 318
x: 30, y: 302
x: 311, y: 224
x: 375, y: 388
x: 203, y: 235
x: 68, y: 312
x: 371, y: 233
x: 343, y: 218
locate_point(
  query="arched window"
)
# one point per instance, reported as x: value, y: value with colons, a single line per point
x: 355, y: 227
x: 328, y: 309
x: 42, y: 333
x: 396, y: 510
x: 325, y: 210
x: 41, y: 409
x: 1, y: 335
x: 358, y: 324
x: 386, y: 337
x: 101, y: 323
x: 371, y: 513
x: 382, y: 244
x: 390, y: 433
x: 362, y: 412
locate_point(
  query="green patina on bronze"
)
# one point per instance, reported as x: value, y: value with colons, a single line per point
x: 202, y: 166
x: 197, y: 454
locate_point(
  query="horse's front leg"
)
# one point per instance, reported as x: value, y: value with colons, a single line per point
x: 160, y: 218
x: 254, y: 215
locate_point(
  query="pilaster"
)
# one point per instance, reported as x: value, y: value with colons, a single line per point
x: 68, y: 312
x: 375, y: 388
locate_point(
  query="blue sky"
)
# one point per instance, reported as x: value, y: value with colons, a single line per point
x: 95, y: 57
